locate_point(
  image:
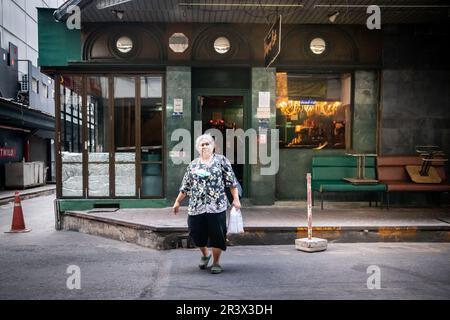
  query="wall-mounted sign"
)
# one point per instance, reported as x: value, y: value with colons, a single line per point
x: 264, y: 99
x: 13, y: 54
x: 310, y: 102
x: 263, y: 109
x: 272, y: 43
x: 177, y: 107
x: 8, y: 152
x: 263, y: 113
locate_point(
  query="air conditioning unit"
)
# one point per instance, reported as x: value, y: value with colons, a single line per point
x: 24, y: 86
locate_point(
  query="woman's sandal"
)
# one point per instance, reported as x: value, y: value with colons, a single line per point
x: 204, y: 262
x: 216, y: 269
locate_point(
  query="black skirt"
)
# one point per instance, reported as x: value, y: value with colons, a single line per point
x: 208, y: 229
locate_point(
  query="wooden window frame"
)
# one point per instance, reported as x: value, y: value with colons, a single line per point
x: 111, y: 143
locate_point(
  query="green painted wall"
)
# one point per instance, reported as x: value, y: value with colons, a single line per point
x: 57, y: 44
x: 262, y: 187
x: 178, y: 86
x: 364, y: 131
x: 294, y: 164
x: 88, y: 204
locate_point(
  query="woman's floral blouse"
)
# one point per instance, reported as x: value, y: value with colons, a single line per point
x: 205, y: 185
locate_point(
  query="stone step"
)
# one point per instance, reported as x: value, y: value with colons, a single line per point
x: 172, y: 237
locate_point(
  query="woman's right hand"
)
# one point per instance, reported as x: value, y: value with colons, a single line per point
x: 176, y: 207
x: 236, y: 203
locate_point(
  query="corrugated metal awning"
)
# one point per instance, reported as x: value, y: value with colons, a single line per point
x: 260, y: 11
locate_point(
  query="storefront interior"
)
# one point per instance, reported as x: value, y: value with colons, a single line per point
x: 120, y: 127
x: 313, y: 110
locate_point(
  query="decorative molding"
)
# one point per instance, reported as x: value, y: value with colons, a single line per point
x: 135, y: 51
x: 203, y: 45
x: 143, y: 41
x: 295, y: 45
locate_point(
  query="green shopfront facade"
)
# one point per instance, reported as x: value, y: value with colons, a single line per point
x: 118, y: 107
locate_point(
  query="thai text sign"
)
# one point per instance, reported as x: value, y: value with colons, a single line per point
x: 272, y: 43
x: 8, y: 152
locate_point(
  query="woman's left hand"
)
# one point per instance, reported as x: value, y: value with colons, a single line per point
x: 236, y: 203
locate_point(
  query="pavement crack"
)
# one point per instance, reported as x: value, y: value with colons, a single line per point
x: 157, y: 288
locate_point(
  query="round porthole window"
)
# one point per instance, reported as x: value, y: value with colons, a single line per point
x: 124, y: 44
x: 178, y: 42
x: 222, y: 45
x: 317, y: 45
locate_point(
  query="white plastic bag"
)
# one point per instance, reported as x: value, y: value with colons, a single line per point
x: 235, y: 224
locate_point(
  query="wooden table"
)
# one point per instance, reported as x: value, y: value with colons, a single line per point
x: 360, y: 168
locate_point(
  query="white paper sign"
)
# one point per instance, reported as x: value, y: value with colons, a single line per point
x: 263, y: 113
x: 264, y: 99
x: 178, y: 105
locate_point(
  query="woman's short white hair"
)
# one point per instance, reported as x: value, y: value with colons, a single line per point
x: 206, y: 137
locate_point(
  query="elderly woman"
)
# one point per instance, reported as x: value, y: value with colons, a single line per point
x: 204, y: 182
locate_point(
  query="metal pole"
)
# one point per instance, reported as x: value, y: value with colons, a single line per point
x: 309, y: 206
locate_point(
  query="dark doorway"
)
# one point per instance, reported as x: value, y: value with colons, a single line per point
x: 222, y: 113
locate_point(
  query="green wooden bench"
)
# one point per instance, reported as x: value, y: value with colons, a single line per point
x: 328, y: 173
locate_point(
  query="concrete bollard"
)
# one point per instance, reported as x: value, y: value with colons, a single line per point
x: 310, y: 244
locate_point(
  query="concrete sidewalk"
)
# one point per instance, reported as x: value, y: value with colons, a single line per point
x: 280, y: 224
x: 8, y: 195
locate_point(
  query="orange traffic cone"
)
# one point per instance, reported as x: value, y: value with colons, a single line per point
x: 18, y: 223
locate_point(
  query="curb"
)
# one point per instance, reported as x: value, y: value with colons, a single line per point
x: 163, y: 238
x: 30, y: 195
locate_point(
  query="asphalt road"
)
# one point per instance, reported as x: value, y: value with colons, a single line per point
x: 35, y: 265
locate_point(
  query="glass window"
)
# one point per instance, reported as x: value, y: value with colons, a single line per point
x: 97, y: 136
x: 151, y: 136
x: 34, y: 85
x: 178, y: 42
x: 45, y: 89
x: 222, y: 45
x: 124, y: 44
x: 124, y: 136
x: 71, y: 124
x: 312, y: 110
x: 317, y: 45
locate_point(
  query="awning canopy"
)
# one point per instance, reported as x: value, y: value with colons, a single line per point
x: 22, y: 116
x: 258, y: 11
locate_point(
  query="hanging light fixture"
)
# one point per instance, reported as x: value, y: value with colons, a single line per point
x: 332, y: 16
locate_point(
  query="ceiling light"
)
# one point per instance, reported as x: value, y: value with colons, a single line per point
x: 332, y: 17
x: 118, y: 14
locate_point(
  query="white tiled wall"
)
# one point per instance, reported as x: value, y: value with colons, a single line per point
x: 14, y: 18
x: 18, y: 24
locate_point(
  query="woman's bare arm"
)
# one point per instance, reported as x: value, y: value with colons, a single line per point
x: 176, y: 205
